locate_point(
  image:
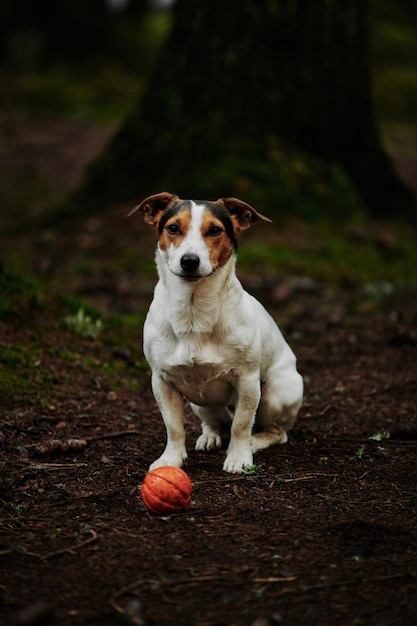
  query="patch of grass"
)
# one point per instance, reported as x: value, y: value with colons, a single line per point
x: 72, y: 305
x: 105, y: 95
x: 252, y: 470
x: 20, y: 371
x: 283, y: 179
x: 34, y: 364
x: 18, y: 293
x: 83, y: 325
x: 69, y: 357
x: 379, y: 265
x: 379, y: 437
x: 11, y: 357
x: 360, y: 452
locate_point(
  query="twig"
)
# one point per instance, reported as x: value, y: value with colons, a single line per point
x: 113, y: 435
x: 68, y: 445
x: 275, y: 579
x: 342, y: 583
x: 373, y: 469
x: 72, y: 549
x: 141, y: 582
x: 310, y: 477
x: 54, y: 466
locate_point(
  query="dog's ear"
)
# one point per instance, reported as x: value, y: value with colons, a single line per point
x: 243, y: 215
x: 153, y: 206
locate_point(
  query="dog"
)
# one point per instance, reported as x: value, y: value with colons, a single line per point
x: 208, y: 341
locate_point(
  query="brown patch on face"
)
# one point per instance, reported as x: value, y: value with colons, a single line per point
x: 219, y: 245
x: 175, y: 229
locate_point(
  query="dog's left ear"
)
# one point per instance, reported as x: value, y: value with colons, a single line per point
x: 153, y: 206
x: 243, y: 214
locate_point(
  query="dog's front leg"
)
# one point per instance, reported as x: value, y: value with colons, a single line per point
x: 171, y: 405
x: 239, y: 452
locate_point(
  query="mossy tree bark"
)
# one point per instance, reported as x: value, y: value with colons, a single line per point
x: 236, y: 82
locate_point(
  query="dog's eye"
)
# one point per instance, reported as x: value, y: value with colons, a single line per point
x: 173, y: 229
x: 214, y: 231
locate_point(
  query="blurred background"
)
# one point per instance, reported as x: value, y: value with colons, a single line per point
x: 308, y: 114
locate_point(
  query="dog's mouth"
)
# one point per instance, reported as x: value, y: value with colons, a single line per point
x: 190, y: 278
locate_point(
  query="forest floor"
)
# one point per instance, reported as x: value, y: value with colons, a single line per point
x: 321, y: 531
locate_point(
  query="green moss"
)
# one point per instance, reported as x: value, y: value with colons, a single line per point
x: 19, y: 369
x: 71, y: 304
x: 277, y: 178
x: 69, y: 357
x: 78, y: 93
x: 18, y: 293
x: 11, y: 357
x: 331, y: 254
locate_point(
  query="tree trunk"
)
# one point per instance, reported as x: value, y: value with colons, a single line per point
x: 236, y: 82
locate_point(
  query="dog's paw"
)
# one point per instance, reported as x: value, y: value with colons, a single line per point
x: 235, y: 462
x: 208, y: 442
x: 173, y: 459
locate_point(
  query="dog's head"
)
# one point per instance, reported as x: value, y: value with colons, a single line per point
x: 196, y: 237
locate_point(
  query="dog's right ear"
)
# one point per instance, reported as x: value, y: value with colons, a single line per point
x: 153, y: 206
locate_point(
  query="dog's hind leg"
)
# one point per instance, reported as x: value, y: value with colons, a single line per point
x: 267, y: 438
x: 213, y: 421
x: 282, y: 394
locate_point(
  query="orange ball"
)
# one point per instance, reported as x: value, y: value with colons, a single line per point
x: 166, y: 490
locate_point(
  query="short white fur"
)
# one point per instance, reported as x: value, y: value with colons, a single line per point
x: 212, y: 343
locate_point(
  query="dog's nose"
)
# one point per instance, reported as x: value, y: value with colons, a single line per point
x: 189, y: 262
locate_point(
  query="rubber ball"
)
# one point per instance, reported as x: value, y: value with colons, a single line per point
x: 166, y: 490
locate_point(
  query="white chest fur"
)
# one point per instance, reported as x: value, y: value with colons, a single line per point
x: 204, y: 385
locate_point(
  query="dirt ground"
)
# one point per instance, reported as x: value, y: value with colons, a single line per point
x: 322, y: 532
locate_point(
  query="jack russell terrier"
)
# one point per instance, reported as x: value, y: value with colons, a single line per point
x: 208, y: 340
